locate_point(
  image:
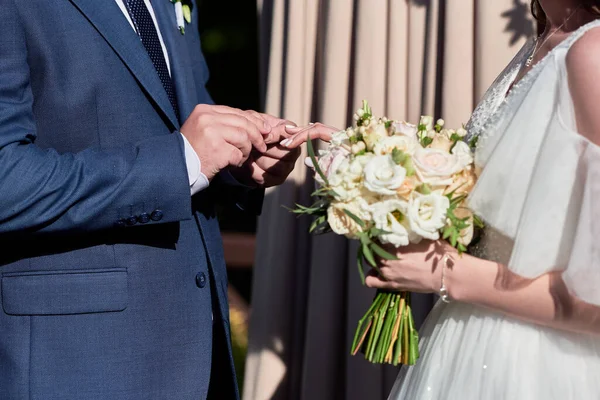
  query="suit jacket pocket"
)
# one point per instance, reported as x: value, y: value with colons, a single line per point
x: 64, y: 292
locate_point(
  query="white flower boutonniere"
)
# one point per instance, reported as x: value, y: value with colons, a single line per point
x: 183, y: 13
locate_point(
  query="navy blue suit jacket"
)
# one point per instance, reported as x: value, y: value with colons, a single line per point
x: 110, y: 271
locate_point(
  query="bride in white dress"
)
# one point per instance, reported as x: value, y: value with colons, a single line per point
x: 523, y: 320
x: 523, y: 314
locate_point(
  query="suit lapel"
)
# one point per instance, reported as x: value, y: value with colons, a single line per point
x: 107, y: 18
x: 181, y: 64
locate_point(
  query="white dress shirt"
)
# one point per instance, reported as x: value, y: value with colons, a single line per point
x: 198, y: 181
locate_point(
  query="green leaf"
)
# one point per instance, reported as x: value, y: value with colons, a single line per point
x: 409, y: 167
x: 447, y: 232
x: 388, y: 124
x: 424, y: 189
x: 313, y: 158
x: 318, y: 223
x: 473, y: 142
x: 369, y: 255
x: 455, y: 137
x: 426, y: 141
x: 399, y: 156
x: 359, y: 260
x: 187, y: 13
x: 375, y: 232
x: 478, y: 222
x: 382, y: 253
x: 359, y: 221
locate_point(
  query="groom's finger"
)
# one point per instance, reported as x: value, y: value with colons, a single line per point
x: 263, y: 126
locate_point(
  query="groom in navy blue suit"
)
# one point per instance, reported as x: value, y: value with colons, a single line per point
x: 112, y: 156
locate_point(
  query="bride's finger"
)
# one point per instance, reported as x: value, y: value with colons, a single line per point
x: 373, y: 281
x: 316, y: 131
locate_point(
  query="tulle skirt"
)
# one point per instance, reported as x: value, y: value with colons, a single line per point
x: 470, y: 353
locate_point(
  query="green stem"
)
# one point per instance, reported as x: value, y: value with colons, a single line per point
x: 380, y: 321
x: 360, y: 334
x: 413, y: 354
x: 380, y: 298
x: 383, y: 346
x: 398, y: 350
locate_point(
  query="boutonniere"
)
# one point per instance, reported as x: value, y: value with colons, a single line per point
x: 183, y: 13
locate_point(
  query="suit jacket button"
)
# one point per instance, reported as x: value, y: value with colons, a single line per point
x: 156, y: 215
x: 143, y: 218
x: 200, y: 280
x: 131, y: 221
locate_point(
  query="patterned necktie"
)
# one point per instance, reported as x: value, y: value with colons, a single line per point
x: 144, y: 25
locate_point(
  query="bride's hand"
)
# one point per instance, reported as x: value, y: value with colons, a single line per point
x: 301, y: 134
x: 418, y: 268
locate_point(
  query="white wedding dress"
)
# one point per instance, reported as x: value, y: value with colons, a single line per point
x: 539, y: 194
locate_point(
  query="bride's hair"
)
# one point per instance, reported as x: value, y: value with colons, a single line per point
x: 591, y: 6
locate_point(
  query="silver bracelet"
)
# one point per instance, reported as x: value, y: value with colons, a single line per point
x: 443, y: 289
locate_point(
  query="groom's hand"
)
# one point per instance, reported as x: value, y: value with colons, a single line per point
x: 273, y: 166
x: 269, y: 168
x: 224, y: 136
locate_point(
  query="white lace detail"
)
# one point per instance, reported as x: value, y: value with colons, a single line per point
x: 496, y: 94
x: 484, y: 120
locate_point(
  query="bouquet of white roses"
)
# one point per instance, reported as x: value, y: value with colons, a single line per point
x: 393, y: 183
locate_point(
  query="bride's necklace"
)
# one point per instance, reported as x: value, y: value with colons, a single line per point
x: 536, y: 48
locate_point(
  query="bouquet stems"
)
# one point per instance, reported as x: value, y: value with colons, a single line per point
x: 386, y: 334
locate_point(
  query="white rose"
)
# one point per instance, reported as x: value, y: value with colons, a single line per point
x: 341, y: 223
x: 462, y: 132
x: 347, y: 178
x: 406, y: 129
x: 427, y: 214
x: 390, y: 216
x: 435, y: 167
x: 406, y: 144
x: 383, y: 176
x: 464, y: 153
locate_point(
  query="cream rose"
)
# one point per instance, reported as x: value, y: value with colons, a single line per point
x: 463, y: 182
x: 406, y: 144
x: 427, y: 214
x: 330, y: 161
x: 383, y: 176
x: 406, y: 129
x: 373, y: 134
x: 435, y: 167
x: 390, y: 216
x: 341, y: 223
x: 441, y: 142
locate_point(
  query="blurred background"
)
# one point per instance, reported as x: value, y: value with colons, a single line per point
x: 315, y: 60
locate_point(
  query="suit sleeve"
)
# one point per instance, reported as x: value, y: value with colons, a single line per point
x: 42, y: 191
